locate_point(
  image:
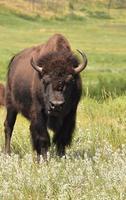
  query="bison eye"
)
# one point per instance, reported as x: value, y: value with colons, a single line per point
x: 60, y: 85
x: 46, y: 80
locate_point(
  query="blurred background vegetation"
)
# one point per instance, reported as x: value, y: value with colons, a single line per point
x: 63, y: 7
x: 96, y: 26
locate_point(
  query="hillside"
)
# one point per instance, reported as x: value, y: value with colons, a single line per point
x: 83, y: 8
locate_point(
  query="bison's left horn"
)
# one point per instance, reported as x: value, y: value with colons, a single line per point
x: 82, y: 66
x: 36, y: 67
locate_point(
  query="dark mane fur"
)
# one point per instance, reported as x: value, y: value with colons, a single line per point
x: 56, y: 59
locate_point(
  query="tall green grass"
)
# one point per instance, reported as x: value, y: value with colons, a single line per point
x: 104, y: 85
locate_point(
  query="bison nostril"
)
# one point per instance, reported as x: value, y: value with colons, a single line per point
x: 52, y: 106
x: 61, y: 105
x: 56, y: 104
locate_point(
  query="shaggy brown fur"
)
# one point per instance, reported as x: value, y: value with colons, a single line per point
x: 48, y: 98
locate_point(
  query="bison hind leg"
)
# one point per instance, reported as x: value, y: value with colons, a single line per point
x: 9, y: 124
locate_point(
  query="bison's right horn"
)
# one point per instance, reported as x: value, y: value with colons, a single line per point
x: 82, y: 66
x: 36, y: 67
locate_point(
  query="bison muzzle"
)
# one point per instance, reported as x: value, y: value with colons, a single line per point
x: 43, y: 83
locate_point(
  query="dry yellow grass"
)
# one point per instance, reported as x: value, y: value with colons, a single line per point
x: 54, y: 8
x: 23, y: 6
x: 44, y: 8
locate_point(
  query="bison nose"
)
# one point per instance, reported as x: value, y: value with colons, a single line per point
x: 56, y: 104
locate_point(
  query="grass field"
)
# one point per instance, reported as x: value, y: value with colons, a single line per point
x: 103, y: 40
x: 95, y: 164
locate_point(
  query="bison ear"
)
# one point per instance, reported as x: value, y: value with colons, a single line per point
x: 35, y: 66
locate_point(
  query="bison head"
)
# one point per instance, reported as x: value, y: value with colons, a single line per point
x: 58, y: 72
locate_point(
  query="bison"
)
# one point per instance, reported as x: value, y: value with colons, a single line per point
x: 2, y: 94
x: 43, y: 83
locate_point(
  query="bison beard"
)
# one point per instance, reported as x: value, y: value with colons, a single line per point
x: 44, y: 84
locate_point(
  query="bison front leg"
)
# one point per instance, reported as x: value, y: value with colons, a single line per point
x: 40, y: 137
x: 63, y: 136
